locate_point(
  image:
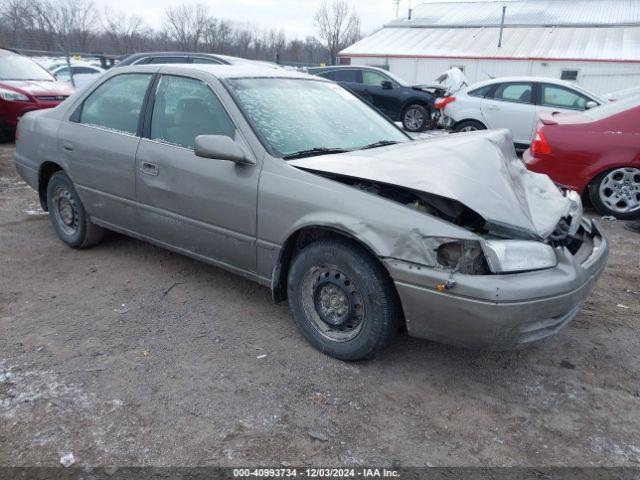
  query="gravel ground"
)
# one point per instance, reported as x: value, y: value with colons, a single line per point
x: 126, y: 354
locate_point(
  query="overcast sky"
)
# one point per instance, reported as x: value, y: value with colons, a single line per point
x: 295, y: 17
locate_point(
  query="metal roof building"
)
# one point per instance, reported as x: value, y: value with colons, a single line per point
x: 594, y: 42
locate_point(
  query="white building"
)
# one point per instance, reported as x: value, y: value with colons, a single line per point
x: 593, y: 42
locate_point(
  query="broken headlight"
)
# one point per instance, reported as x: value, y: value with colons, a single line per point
x: 508, y: 256
x: 463, y: 257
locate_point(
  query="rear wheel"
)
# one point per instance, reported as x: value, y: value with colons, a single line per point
x: 415, y: 118
x: 469, y: 126
x: 343, y: 300
x: 617, y: 193
x: 68, y: 216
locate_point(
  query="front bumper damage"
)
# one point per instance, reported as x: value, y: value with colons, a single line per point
x: 499, y: 312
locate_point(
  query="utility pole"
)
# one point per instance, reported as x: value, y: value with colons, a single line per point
x: 504, y: 12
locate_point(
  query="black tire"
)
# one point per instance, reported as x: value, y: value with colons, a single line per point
x: 63, y: 202
x: 469, y: 126
x: 416, y: 118
x: 373, y: 302
x: 601, y: 207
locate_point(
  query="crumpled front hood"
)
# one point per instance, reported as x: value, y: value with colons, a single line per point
x: 479, y: 169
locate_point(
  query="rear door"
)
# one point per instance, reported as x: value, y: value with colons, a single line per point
x: 512, y: 107
x: 351, y: 79
x: 99, y: 143
x: 203, y: 206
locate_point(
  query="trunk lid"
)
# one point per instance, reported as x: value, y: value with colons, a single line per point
x: 480, y: 170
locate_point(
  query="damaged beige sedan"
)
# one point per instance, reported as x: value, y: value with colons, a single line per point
x: 293, y: 182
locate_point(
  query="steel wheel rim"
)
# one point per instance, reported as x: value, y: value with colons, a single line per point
x: 344, y: 316
x: 619, y: 190
x: 413, y: 118
x: 65, y: 211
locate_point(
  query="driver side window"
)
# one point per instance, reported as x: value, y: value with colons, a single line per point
x: 560, y: 97
x: 373, y: 79
x: 185, y: 108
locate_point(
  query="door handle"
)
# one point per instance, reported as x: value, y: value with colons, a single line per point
x: 149, y: 168
x: 494, y: 108
x: 67, y: 146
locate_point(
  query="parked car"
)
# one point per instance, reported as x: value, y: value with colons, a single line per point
x: 82, y: 74
x: 596, y: 151
x: 412, y: 105
x: 188, y: 57
x: 291, y: 181
x: 514, y: 103
x: 623, y: 94
x: 25, y: 86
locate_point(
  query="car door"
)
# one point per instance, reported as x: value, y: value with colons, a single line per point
x: 351, y: 79
x: 99, y: 143
x: 203, y: 206
x: 511, y: 106
x: 388, y: 99
x: 558, y: 98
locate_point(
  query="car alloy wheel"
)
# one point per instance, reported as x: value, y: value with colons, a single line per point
x: 413, y: 119
x: 65, y: 211
x: 469, y: 128
x: 620, y: 190
x: 333, y: 303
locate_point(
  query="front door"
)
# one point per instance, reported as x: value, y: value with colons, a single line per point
x: 387, y: 100
x: 557, y: 98
x: 99, y: 144
x: 512, y: 107
x: 203, y: 206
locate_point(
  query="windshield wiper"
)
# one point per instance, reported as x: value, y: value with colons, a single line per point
x: 381, y: 143
x: 312, y: 152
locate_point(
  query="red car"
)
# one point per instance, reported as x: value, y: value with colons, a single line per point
x: 596, y: 151
x: 25, y: 86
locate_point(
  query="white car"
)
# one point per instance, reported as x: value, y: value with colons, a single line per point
x: 623, y: 94
x: 83, y: 74
x: 514, y: 103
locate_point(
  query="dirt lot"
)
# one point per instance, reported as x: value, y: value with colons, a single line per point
x: 128, y: 354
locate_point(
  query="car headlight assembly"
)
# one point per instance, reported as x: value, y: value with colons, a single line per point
x: 510, y: 256
x: 463, y: 256
x: 11, y: 96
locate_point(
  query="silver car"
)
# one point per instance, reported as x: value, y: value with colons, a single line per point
x: 291, y: 181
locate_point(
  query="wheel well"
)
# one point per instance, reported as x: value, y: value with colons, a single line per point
x: 296, y: 242
x: 455, y: 125
x: 46, y: 171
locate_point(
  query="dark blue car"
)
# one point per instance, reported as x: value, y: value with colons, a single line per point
x: 412, y: 105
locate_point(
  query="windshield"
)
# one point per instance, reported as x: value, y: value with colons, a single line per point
x: 17, y: 67
x: 299, y: 115
x: 611, y: 108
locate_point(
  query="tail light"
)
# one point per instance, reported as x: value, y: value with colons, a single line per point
x: 540, y: 146
x: 443, y: 102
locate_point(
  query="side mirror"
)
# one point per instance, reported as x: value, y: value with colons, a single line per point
x: 591, y: 104
x: 386, y: 85
x: 221, y: 147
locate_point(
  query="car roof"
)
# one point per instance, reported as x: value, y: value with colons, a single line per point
x: 553, y: 81
x: 248, y: 70
x: 345, y: 67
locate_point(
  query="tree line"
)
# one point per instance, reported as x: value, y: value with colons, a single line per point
x: 79, y: 26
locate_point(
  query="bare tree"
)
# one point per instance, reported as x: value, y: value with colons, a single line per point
x: 126, y: 32
x: 187, y: 24
x: 338, y: 27
x: 72, y: 22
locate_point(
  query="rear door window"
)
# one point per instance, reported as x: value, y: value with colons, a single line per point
x: 350, y: 76
x: 169, y: 60
x: 514, y: 92
x: 185, y: 108
x: 116, y: 103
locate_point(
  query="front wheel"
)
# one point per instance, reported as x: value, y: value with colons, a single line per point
x: 343, y: 300
x: 415, y: 118
x: 68, y: 216
x: 617, y: 193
